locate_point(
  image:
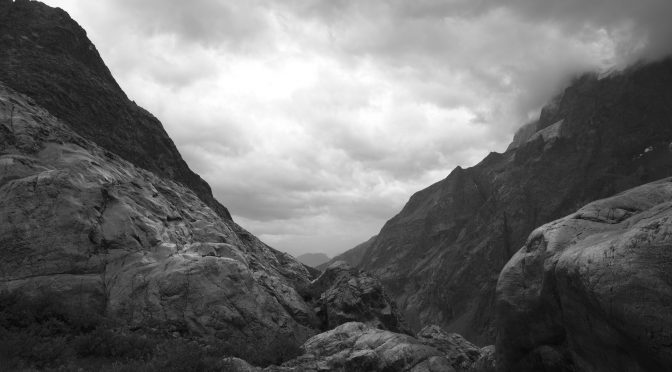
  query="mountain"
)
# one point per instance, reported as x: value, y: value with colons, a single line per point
x: 313, y: 259
x: 102, y: 224
x: 99, y: 255
x: 47, y: 56
x: 352, y: 256
x: 97, y: 235
x: 440, y: 257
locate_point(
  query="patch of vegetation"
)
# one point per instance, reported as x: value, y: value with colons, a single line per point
x: 42, y: 333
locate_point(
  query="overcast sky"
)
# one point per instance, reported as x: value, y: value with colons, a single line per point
x: 314, y: 121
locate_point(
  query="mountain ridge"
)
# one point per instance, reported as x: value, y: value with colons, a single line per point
x: 440, y: 256
x: 46, y: 55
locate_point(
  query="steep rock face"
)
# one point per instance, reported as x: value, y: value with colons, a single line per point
x: 344, y: 294
x: 84, y: 224
x: 47, y: 56
x: 440, y: 257
x: 592, y: 291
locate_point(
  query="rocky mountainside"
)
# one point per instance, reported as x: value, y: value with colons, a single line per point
x: 96, y: 234
x: 440, y: 257
x: 84, y: 226
x: 47, y: 56
x: 110, y: 244
x: 593, y: 290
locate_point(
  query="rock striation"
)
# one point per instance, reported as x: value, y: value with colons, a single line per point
x: 592, y: 291
x: 101, y: 234
x: 47, y: 56
x: 440, y: 257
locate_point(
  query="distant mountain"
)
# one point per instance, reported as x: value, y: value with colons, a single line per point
x: 440, y: 257
x: 352, y: 256
x: 313, y: 259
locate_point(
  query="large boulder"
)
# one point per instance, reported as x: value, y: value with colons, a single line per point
x: 345, y: 294
x: 592, y: 291
x: 461, y: 353
x: 355, y: 346
x: 82, y: 225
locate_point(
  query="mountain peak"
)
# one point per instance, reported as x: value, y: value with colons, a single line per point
x: 47, y: 56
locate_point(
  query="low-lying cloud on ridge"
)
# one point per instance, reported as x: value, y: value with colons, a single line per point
x: 314, y: 121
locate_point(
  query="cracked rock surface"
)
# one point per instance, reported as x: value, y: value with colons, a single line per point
x: 592, y: 291
x: 345, y: 294
x: 355, y: 346
x: 83, y: 223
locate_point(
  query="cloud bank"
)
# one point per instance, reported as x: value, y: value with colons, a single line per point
x: 314, y: 121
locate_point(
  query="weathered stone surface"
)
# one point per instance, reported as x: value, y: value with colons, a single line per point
x: 592, y: 291
x: 345, y: 294
x: 47, y: 56
x: 101, y: 233
x: 358, y: 347
x: 461, y: 353
x: 440, y: 257
x: 486, y: 362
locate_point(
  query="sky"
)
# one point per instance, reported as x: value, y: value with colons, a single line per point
x: 314, y: 121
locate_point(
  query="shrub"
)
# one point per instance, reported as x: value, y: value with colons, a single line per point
x: 106, y: 343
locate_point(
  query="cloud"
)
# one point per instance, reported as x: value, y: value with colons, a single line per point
x: 314, y: 121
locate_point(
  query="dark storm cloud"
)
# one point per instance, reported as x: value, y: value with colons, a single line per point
x: 315, y: 120
x: 645, y: 21
x: 200, y: 21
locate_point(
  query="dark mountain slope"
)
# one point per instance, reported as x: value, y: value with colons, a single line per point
x: 47, y: 55
x: 441, y: 255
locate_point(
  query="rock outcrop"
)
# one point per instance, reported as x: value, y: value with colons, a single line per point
x: 440, y: 257
x: 356, y: 347
x: 345, y: 294
x: 592, y: 291
x: 101, y: 234
x: 47, y: 56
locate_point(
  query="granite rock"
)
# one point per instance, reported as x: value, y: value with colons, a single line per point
x: 592, y: 291
x: 100, y: 233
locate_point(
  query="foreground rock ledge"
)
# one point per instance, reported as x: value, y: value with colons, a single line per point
x: 356, y: 347
x: 592, y: 291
